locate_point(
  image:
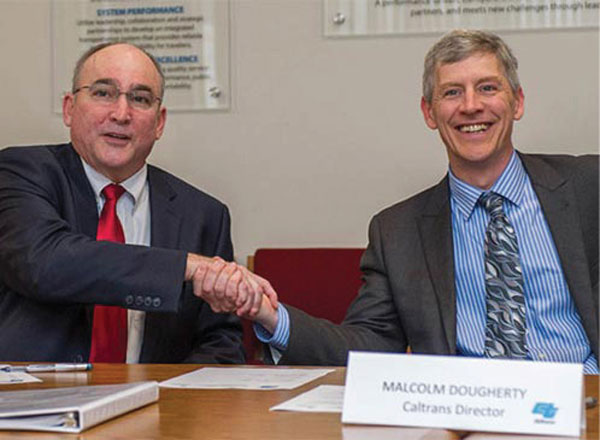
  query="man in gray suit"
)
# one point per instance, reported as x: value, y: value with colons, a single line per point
x: 447, y: 272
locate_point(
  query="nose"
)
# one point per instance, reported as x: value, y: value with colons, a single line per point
x: 471, y: 102
x: 120, y: 111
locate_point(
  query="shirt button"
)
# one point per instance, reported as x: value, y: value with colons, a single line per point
x: 139, y: 300
x: 129, y: 300
x: 148, y: 301
x: 156, y: 302
x: 543, y: 356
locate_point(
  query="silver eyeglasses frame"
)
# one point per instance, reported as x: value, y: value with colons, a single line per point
x: 114, y: 93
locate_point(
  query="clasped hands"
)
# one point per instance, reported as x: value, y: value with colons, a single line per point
x: 231, y: 288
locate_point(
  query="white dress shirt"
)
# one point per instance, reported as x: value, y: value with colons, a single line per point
x: 133, y: 210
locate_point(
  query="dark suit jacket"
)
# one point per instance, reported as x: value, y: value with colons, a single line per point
x: 52, y: 270
x: 408, y: 298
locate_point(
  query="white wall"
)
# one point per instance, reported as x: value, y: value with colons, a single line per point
x: 322, y: 133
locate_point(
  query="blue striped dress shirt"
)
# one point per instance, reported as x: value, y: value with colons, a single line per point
x: 554, y: 329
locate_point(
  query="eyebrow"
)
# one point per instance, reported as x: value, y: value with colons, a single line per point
x: 105, y: 81
x: 479, y: 81
x: 112, y: 82
x: 141, y: 87
x: 491, y: 78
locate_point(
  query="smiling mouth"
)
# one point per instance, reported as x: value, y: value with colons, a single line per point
x: 117, y: 136
x: 474, y: 128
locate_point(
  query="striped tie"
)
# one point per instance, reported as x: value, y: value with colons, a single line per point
x: 505, y: 302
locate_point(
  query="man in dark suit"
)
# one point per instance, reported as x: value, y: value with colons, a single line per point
x: 56, y: 278
x: 445, y: 271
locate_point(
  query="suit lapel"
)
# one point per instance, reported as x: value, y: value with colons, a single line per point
x: 82, y: 193
x: 165, y: 233
x: 165, y: 218
x: 436, y: 236
x: 557, y: 198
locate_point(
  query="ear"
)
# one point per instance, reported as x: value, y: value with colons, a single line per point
x: 67, y: 108
x: 428, y: 114
x: 519, y: 105
x: 160, y: 126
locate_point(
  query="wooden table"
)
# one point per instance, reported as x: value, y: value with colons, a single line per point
x: 227, y: 414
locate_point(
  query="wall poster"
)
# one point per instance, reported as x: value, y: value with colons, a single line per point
x: 189, y: 38
x: 381, y: 17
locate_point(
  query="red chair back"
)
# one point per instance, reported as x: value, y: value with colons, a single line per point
x: 320, y: 281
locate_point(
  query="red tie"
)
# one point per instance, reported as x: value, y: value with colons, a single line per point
x: 109, y: 331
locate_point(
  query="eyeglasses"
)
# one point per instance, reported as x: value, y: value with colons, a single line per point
x: 105, y: 93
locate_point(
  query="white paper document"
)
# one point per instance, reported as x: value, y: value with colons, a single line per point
x: 324, y: 398
x: 498, y: 436
x: 245, y: 378
x: 357, y: 432
x: 7, y: 377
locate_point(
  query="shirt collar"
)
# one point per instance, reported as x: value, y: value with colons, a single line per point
x: 134, y: 185
x: 509, y: 185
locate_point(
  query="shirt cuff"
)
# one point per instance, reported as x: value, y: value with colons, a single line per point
x: 280, y: 338
x: 590, y: 365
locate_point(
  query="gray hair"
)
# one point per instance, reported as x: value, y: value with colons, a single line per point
x: 459, y: 44
x: 97, y: 48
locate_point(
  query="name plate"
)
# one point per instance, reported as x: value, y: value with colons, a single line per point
x: 464, y: 393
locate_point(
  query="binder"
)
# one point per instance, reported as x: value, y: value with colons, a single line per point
x: 72, y: 409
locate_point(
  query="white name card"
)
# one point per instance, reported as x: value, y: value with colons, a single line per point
x: 464, y: 394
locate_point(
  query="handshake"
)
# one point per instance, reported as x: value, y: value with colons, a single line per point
x: 230, y: 288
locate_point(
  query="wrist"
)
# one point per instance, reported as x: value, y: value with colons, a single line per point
x: 193, y: 261
x: 267, y: 316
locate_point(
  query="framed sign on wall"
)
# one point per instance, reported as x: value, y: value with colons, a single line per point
x: 346, y: 18
x: 189, y: 39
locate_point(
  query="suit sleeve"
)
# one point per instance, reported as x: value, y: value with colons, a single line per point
x: 371, y: 322
x: 45, y: 259
x: 218, y: 336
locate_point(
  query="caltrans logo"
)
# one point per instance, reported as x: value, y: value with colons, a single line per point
x: 546, y: 410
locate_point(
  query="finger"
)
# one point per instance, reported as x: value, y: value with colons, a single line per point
x: 255, y: 297
x: 269, y: 292
x: 244, y: 309
x: 232, y: 289
x: 233, y: 297
x: 266, y: 287
x: 226, y: 272
x: 214, y: 269
x: 197, y: 279
x: 252, y: 290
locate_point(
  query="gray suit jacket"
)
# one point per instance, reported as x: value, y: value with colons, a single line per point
x: 408, y: 298
x: 52, y: 269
